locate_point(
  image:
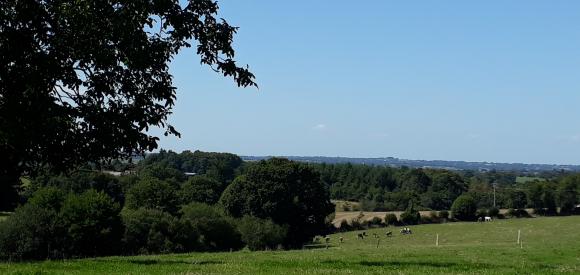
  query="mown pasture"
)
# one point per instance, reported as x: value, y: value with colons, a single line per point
x: 550, y: 245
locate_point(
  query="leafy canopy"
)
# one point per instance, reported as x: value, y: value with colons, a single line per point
x: 85, y: 80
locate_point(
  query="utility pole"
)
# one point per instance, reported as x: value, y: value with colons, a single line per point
x: 494, y: 184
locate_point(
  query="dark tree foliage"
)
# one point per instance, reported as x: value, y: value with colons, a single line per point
x: 286, y: 192
x: 152, y: 193
x: 517, y: 199
x: 464, y: 208
x: 84, y: 81
x: 218, y: 233
x: 93, y: 225
x: 55, y: 225
x: 222, y: 167
x: 200, y: 189
x: 79, y: 182
x: 149, y: 231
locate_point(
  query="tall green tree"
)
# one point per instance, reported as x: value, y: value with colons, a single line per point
x: 286, y: 192
x: 85, y: 80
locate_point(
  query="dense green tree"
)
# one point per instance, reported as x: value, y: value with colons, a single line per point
x: 411, y: 215
x: 568, y: 194
x: 153, y: 193
x: 464, y: 208
x: 517, y: 199
x: 200, y: 189
x: 85, y: 81
x: 35, y: 230
x: 286, y: 192
x: 93, y: 224
x: 217, y: 232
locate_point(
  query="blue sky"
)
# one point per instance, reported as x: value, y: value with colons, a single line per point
x: 453, y: 80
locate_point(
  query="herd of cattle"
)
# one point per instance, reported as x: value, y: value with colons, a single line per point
x: 361, y: 236
x: 404, y: 231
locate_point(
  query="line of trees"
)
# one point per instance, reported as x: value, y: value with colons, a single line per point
x: 226, y: 205
x: 380, y: 188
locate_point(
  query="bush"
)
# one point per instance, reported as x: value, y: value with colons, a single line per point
x: 511, y: 213
x: 464, y: 208
x: 93, y: 225
x: 426, y: 220
x: 391, y: 219
x: 260, y: 234
x: 444, y: 215
x: 344, y: 226
x: 217, y: 233
x: 517, y: 213
x: 376, y: 221
x: 493, y: 212
x: 410, y: 216
x: 149, y: 231
x: 481, y: 213
x: 152, y: 193
x: 433, y: 216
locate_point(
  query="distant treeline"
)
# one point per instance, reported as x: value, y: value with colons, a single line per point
x: 381, y: 188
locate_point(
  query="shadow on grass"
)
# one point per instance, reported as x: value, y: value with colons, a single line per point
x: 401, y: 264
x: 165, y: 262
x: 316, y: 246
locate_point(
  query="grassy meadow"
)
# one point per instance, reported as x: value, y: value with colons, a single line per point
x: 551, y: 245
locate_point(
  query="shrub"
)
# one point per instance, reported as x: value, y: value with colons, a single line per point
x: 433, y: 216
x: 260, y: 234
x: 344, y: 226
x: 391, y: 219
x: 493, y: 212
x: 92, y: 222
x: 410, y: 216
x: 464, y: 208
x: 481, y: 213
x: 426, y: 220
x: 217, y: 233
x: 376, y: 221
x: 152, y: 193
x: 150, y: 231
x: 511, y: 213
x: 444, y: 214
x: 522, y: 213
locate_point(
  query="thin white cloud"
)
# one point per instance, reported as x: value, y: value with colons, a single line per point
x: 319, y: 127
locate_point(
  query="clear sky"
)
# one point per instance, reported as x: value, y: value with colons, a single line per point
x: 451, y: 80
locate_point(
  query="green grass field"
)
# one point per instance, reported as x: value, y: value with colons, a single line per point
x: 550, y: 246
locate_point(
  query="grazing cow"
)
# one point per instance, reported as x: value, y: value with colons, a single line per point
x: 340, y: 239
x: 480, y: 219
x: 488, y: 219
x: 365, y: 234
x: 406, y: 231
x: 389, y: 233
x: 360, y: 236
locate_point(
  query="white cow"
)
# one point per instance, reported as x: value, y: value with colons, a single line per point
x: 488, y: 219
